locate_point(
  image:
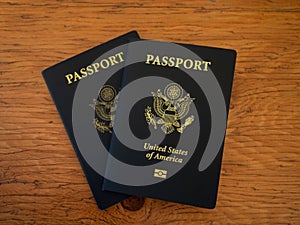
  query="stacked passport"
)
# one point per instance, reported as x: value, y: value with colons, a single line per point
x: 146, y: 118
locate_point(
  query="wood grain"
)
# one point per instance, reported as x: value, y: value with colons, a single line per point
x: 41, y: 181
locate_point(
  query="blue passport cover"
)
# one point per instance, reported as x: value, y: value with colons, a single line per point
x: 170, y: 122
x: 62, y: 80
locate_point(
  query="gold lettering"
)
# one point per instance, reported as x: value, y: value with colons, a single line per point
x: 185, y: 62
x: 107, y: 63
x: 120, y: 56
x: 197, y: 65
x: 90, y: 70
x: 167, y: 158
x: 96, y: 66
x: 206, y: 65
x: 83, y: 72
x: 156, y: 61
x: 171, y: 62
x: 113, y: 60
x: 164, y: 61
x: 69, y: 77
x: 179, y: 61
x: 149, y: 57
x: 77, y: 76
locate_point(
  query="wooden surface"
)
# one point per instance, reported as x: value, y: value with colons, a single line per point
x: 41, y: 181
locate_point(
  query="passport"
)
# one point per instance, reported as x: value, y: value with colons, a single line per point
x: 63, y: 80
x: 170, y: 122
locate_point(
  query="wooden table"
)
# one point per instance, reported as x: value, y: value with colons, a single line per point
x: 41, y: 181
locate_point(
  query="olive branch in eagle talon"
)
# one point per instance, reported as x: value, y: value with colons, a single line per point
x: 101, y: 126
x: 170, y: 108
x: 150, y: 118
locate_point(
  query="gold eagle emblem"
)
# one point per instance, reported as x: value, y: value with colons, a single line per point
x: 105, y: 107
x: 171, y: 107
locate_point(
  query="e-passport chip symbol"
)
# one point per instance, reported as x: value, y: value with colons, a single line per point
x: 160, y: 173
